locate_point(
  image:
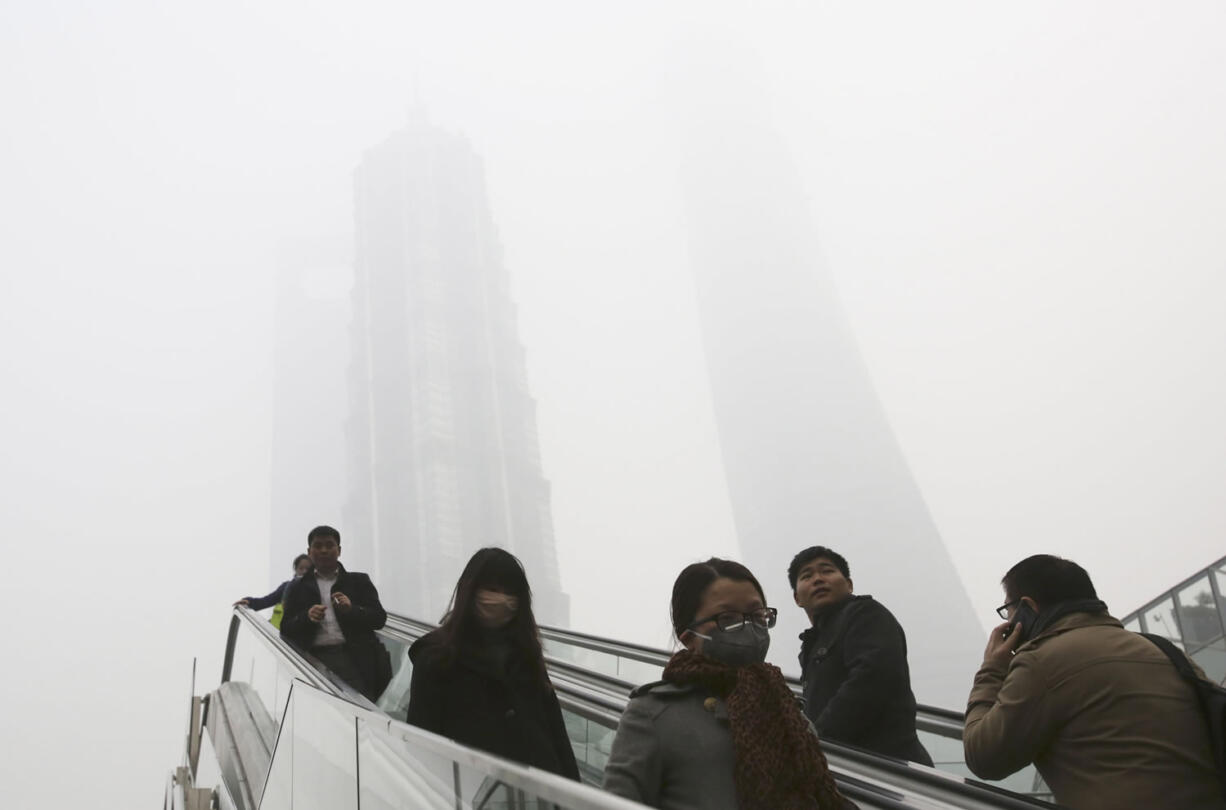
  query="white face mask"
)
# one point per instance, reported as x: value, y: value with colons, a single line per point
x: 495, y: 609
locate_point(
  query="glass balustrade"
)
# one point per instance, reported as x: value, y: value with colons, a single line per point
x: 1192, y: 615
x: 267, y: 673
x: 333, y: 755
x: 395, y: 698
x: 604, y: 661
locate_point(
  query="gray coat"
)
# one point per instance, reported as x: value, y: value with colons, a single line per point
x: 673, y: 750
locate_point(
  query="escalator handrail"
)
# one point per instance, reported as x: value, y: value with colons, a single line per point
x: 658, y: 657
x: 935, y: 719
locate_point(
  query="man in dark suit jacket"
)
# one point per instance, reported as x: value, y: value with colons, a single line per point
x: 333, y: 614
x: 854, y: 661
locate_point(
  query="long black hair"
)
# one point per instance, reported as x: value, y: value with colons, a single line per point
x: 693, y: 582
x: 459, y: 628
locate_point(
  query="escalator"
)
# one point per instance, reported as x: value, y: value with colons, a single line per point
x: 609, y: 669
x: 282, y: 732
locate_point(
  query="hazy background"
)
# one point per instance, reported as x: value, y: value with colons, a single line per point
x: 1021, y: 208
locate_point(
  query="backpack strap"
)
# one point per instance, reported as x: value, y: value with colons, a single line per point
x: 1177, y: 656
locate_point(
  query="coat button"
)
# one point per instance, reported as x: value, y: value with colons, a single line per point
x: 510, y: 715
x: 709, y: 704
x: 821, y: 650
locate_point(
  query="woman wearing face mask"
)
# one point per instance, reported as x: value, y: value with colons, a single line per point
x: 722, y: 730
x: 480, y: 678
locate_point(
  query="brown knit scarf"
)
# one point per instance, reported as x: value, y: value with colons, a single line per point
x: 779, y: 764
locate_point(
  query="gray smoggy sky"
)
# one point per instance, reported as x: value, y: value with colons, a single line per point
x: 1020, y: 207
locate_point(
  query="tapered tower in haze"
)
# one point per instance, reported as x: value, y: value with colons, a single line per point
x: 443, y: 451
x: 809, y: 455
x: 307, y: 485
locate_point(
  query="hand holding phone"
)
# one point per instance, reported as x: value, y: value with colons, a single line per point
x: 1024, y: 617
x: 1002, y: 641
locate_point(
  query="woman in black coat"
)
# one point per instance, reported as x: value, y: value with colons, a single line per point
x: 480, y: 678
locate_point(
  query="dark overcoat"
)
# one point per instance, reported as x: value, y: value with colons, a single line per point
x: 365, y: 650
x: 857, y: 685
x: 505, y: 710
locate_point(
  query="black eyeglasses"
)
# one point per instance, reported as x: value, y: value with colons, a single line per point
x: 732, y: 620
x: 1003, y: 610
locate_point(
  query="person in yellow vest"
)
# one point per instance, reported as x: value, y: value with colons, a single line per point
x: 275, y: 600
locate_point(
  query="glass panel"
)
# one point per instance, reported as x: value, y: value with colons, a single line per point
x: 279, y: 789
x: 637, y: 672
x: 1133, y: 624
x: 285, y: 685
x: 1198, y: 614
x: 1219, y: 578
x: 947, y: 755
x: 249, y: 663
x: 592, y: 741
x: 389, y: 781
x: 332, y: 754
x: 395, y: 698
x: 946, y: 752
x: 1212, y: 659
x: 269, y: 676
x: 1160, y: 619
x: 499, y: 796
x: 325, y: 753
x: 606, y: 663
x: 603, y: 663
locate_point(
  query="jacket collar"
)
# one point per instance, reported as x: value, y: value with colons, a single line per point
x: 340, y: 572
x: 1072, y: 621
x: 829, y: 616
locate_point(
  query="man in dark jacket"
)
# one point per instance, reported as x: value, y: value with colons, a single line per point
x: 857, y: 685
x: 333, y: 614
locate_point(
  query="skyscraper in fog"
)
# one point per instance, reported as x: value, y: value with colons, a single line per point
x: 808, y: 452
x: 443, y: 450
x: 308, y: 452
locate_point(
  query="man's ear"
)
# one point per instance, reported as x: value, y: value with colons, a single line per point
x: 1033, y: 605
x: 851, y: 586
x: 796, y: 598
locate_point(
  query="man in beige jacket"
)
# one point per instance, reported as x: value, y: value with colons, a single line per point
x: 1099, y: 710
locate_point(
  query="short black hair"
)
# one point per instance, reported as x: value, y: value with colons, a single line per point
x: 693, y: 582
x: 1048, y: 580
x: 809, y: 555
x: 299, y: 559
x: 323, y: 531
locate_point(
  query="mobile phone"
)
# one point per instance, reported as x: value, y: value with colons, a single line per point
x: 1026, y: 617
